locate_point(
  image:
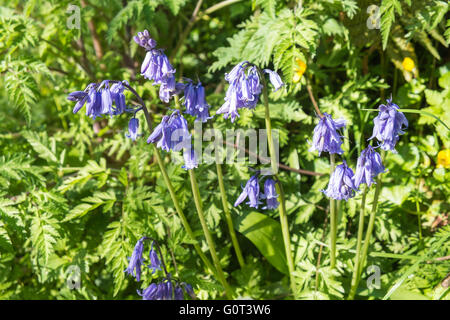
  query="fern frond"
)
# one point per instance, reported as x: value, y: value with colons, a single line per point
x: 44, y: 232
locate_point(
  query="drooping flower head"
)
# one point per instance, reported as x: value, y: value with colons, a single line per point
x: 341, y: 185
x: 166, y: 290
x: 243, y: 91
x: 156, y: 67
x: 118, y: 97
x: 251, y: 190
x: 189, y: 290
x: 99, y: 99
x: 159, y: 291
x: 368, y: 167
x: 178, y: 293
x: 133, y: 127
x: 136, y: 260
x: 245, y: 88
x: 275, y: 79
x: 172, y: 133
x: 326, y: 137
x: 155, y: 264
x: 190, y: 158
x: 143, y: 39
x: 270, y: 194
x: 195, y: 101
x: 388, y: 125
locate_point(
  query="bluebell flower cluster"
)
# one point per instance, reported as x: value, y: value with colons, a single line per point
x: 388, y: 125
x: 341, y: 185
x: 369, y: 165
x: 156, y: 66
x: 195, y: 101
x: 252, y: 192
x: 172, y: 133
x: 326, y: 138
x: 244, y: 89
x: 106, y: 98
x: 99, y: 99
x: 167, y: 288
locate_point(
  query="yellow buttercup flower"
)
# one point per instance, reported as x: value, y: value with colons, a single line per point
x: 299, y: 70
x: 443, y: 159
x: 408, y: 64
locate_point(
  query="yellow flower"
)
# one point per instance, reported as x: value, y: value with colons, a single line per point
x: 299, y: 70
x: 443, y: 159
x: 408, y: 64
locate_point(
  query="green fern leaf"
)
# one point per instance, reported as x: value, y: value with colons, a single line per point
x: 44, y: 232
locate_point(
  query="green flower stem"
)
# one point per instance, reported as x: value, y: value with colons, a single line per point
x: 209, y: 239
x: 180, y: 212
x: 279, y: 188
x: 198, y: 204
x: 355, y: 276
x: 234, y: 240
x: 371, y: 220
x: 333, y: 220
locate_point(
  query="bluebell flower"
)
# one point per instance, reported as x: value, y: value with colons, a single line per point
x: 172, y: 133
x: 143, y: 39
x: 159, y: 291
x: 190, y: 158
x: 237, y: 72
x: 118, y: 97
x: 133, y: 127
x: 165, y: 290
x: 253, y: 88
x: 178, y: 293
x: 94, y: 103
x: 195, y: 101
x: 189, y: 290
x: 149, y: 293
x: 270, y: 194
x: 341, y: 184
x: 251, y: 190
x: 368, y: 167
x: 155, y: 264
x: 243, y: 91
x: 80, y: 97
x: 388, y: 125
x: 136, y: 260
x: 274, y: 79
x: 229, y: 108
x: 326, y: 137
x: 106, y: 98
x: 156, y: 67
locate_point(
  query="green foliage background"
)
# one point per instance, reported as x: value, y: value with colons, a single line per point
x: 78, y: 193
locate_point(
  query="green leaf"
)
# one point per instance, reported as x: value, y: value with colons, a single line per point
x: 266, y: 235
x: 44, y: 232
x: 387, y: 12
x: 90, y: 203
x: 40, y: 145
